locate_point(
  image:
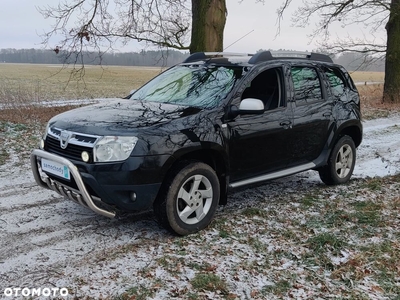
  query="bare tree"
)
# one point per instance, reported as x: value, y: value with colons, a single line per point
x: 99, y: 24
x: 376, y: 15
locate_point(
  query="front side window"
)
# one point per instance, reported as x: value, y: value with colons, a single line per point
x: 266, y: 87
x: 190, y: 85
x: 307, y: 86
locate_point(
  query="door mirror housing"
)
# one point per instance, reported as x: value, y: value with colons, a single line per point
x: 251, y: 106
x: 248, y: 106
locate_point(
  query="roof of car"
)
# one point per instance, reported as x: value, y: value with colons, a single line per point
x: 263, y: 56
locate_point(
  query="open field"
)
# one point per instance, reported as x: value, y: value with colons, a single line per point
x: 50, y: 82
x: 361, y: 76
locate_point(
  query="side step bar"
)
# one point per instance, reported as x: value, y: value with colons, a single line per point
x: 273, y: 175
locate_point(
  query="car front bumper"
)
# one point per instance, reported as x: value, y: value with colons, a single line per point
x: 105, y: 192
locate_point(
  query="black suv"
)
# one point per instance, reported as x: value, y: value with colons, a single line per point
x: 216, y: 122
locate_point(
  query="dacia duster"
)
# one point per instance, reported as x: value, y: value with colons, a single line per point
x: 200, y: 129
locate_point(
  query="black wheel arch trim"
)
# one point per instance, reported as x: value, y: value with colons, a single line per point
x: 352, y: 128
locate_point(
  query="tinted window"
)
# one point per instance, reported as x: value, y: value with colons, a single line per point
x: 336, y: 81
x: 306, y: 83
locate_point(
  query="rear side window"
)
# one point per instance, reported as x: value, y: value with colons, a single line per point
x: 336, y: 81
x: 307, y: 86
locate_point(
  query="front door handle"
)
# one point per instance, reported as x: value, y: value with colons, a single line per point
x: 286, y: 124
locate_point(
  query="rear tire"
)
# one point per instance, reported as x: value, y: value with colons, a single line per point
x: 341, y: 162
x: 189, y: 199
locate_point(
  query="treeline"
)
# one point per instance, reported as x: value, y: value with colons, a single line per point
x: 351, y: 61
x: 360, y: 62
x: 143, y: 58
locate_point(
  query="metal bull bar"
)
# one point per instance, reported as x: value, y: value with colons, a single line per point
x: 82, y: 196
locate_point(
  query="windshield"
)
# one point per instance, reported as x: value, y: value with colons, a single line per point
x: 190, y: 85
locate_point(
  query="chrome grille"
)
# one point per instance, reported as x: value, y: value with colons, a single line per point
x: 77, y: 143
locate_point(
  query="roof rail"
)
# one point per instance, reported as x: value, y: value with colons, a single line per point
x: 195, y: 56
x: 261, y: 56
x: 269, y: 55
x: 205, y: 55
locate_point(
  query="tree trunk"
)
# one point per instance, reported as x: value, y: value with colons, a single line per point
x: 208, y: 23
x: 391, y: 90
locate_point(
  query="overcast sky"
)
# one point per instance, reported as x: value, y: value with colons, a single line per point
x: 21, y: 24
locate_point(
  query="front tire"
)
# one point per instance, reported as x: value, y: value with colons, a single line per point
x: 190, y: 199
x: 341, y: 162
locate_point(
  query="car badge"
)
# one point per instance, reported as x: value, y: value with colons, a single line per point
x: 64, y: 138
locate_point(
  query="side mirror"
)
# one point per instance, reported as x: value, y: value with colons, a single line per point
x: 248, y: 106
x: 251, y: 106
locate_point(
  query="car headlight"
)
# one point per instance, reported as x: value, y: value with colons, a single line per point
x: 114, y: 148
x: 43, y: 139
x: 46, y: 131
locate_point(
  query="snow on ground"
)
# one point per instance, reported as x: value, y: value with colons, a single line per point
x: 49, y: 242
x: 379, y: 153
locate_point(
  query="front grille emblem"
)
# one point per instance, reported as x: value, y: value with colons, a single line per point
x: 64, y: 138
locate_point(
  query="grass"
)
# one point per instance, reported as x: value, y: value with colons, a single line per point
x: 209, y: 282
x: 279, y: 288
x: 17, y: 140
x: 367, y: 213
x: 309, y: 200
x: 4, y: 156
x: 325, y: 241
x: 371, y: 102
x: 254, y: 211
x: 341, y: 244
x: 140, y: 292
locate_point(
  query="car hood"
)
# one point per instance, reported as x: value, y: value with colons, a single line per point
x: 120, y: 116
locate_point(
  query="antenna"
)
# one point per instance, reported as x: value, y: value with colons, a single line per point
x: 203, y: 55
x: 239, y: 39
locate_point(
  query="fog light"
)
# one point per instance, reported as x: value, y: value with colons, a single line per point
x: 41, y: 145
x: 133, y: 196
x: 85, y: 156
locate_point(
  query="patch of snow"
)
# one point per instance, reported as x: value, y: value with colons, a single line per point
x: 379, y: 153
